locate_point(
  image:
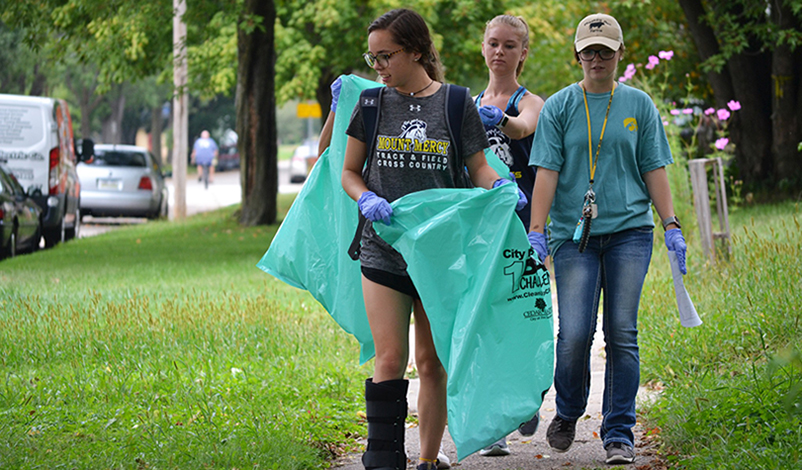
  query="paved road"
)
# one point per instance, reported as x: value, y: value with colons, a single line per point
x: 225, y: 191
x: 533, y: 453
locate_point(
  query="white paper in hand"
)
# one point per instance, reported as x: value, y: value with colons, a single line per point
x: 687, y: 312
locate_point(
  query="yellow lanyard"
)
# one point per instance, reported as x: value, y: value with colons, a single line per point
x: 593, y: 161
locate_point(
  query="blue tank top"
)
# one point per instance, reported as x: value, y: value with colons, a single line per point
x: 514, y: 153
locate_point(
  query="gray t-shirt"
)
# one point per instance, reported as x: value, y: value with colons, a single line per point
x: 413, y: 152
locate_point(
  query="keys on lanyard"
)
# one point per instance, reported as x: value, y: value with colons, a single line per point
x: 589, y: 207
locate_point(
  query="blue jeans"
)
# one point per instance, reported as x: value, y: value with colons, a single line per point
x: 615, y: 264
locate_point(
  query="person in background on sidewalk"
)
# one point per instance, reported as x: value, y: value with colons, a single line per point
x: 204, y: 153
x: 601, y: 153
x: 413, y: 105
x: 509, y: 113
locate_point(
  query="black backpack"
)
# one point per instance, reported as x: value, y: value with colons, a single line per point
x: 370, y: 102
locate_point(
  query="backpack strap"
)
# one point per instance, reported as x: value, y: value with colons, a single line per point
x: 370, y: 103
x: 455, y: 109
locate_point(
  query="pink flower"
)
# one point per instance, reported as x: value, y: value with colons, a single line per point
x: 675, y: 112
x: 723, y: 114
x: 665, y: 55
x: 665, y: 123
x: 722, y: 143
x: 630, y: 71
x: 709, y: 111
x: 734, y: 105
x: 653, y: 61
x: 687, y: 111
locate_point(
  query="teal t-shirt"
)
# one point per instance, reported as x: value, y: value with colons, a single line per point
x: 634, y: 143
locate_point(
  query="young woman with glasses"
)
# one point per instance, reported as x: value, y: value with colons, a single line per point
x: 601, y: 153
x: 509, y: 113
x: 412, y: 110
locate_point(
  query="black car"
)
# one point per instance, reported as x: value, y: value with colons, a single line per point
x: 20, y: 218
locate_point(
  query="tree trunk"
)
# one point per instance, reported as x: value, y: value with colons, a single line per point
x: 706, y: 43
x: 112, y: 132
x: 38, y: 85
x: 156, y: 123
x: 256, y: 116
x: 785, y: 71
x: 324, y: 94
x: 745, y: 78
x: 750, y: 128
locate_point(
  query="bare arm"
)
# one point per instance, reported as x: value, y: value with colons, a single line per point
x: 542, y: 197
x: 355, y: 156
x: 325, y: 134
x: 482, y: 175
x: 660, y: 192
x: 525, y: 123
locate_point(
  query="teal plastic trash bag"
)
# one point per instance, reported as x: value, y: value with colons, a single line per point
x: 488, y: 303
x: 310, y: 249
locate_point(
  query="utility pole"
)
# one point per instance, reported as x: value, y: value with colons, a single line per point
x: 180, y: 118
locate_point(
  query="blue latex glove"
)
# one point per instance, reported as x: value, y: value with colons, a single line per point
x: 676, y: 242
x: 335, y: 92
x: 374, y: 207
x: 522, y: 200
x: 491, y: 115
x: 539, y: 243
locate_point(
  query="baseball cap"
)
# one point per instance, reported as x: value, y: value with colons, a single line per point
x: 598, y: 29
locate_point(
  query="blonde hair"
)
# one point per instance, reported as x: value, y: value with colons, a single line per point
x: 520, y: 26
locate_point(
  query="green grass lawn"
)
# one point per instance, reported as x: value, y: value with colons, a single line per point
x: 733, y: 396
x: 163, y: 346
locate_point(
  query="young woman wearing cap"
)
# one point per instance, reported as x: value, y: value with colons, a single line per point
x: 402, y: 53
x: 509, y: 113
x: 601, y: 153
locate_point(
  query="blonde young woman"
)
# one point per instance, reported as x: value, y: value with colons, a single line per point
x: 601, y: 153
x: 509, y: 113
x: 400, y: 50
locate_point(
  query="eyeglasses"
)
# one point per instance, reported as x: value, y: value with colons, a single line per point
x: 589, y: 54
x: 381, y: 59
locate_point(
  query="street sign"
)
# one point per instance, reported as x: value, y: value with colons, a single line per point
x: 308, y: 110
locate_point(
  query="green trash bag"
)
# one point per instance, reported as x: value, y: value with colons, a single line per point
x: 488, y: 303
x: 310, y: 249
x: 486, y: 399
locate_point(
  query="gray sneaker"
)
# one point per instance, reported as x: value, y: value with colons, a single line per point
x: 561, y: 434
x: 497, y: 448
x: 618, y: 452
x: 529, y: 428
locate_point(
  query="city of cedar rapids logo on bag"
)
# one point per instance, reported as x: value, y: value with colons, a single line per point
x: 529, y: 283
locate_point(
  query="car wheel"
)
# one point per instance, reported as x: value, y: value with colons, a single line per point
x: 75, y: 231
x: 36, y: 239
x: 55, y: 236
x: 12, y: 244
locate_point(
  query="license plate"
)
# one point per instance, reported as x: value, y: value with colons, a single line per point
x: 110, y: 184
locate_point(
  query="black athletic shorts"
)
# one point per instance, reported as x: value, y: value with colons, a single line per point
x: 402, y: 284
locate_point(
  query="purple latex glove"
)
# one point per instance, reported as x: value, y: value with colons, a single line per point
x: 539, y: 243
x: 676, y: 242
x: 491, y: 115
x: 374, y: 207
x: 522, y: 200
x: 336, y: 85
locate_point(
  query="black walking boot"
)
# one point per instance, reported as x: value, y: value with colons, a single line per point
x: 386, y: 411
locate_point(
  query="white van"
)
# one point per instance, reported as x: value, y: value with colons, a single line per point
x: 37, y: 146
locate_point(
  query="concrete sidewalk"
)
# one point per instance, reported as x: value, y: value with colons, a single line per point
x: 534, y: 453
